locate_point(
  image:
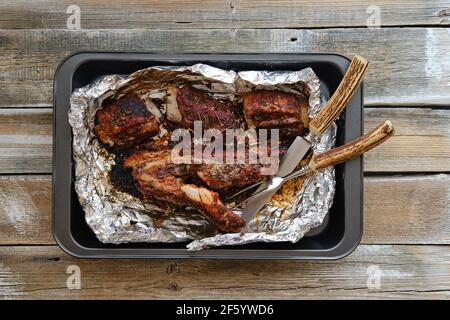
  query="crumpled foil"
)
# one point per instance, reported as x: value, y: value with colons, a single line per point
x: 118, y: 217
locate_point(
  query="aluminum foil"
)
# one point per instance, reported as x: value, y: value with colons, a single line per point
x: 118, y: 217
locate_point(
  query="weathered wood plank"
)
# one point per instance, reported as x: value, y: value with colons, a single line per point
x: 25, y: 140
x: 421, y: 142
x: 25, y: 210
x: 409, y: 66
x: 405, y: 272
x: 408, y: 209
x: 222, y: 14
x: 398, y: 210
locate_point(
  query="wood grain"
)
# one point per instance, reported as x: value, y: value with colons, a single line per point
x: 406, y: 224
x: 409, y: 66
x: 407, y: 209
x: 406, y: 272
x: 25, y: 140
x: 25, y: 209
x: 415, y: 212
x: 222, y: 14
x: 421, y: 142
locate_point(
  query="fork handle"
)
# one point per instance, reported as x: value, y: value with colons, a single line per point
x: 353, y: 149
x: 343, y: 94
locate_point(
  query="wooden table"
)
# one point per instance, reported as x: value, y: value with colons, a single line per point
x: 407, y: 183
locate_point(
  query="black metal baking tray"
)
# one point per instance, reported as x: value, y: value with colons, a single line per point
x: 336, y: 238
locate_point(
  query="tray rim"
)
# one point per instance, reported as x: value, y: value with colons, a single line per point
x: 66, y: 241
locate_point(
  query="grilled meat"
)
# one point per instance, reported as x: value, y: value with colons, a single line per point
x: 158, y: 178
x: 129, y: 124
x: 125, y: 122
x: 160, y: 143
x: 275, y: 109
x: 226, y: 176
x: 238, y: 173
x: 188, y: 104
x: 209, y: 204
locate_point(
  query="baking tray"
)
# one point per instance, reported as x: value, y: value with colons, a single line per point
x: 335, y: 238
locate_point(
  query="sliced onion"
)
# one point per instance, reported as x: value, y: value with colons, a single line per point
x: 153, y: 109
x: 172, y: 111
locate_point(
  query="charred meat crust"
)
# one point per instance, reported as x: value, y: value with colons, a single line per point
x: 209, y: 204
x: 198, y: 105
x: 226, y: 176
x: 125, y: 122
x: 274, y: 109
x: 128, y: 127
x: 157, y: 178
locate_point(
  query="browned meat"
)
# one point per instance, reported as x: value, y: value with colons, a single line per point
x: 125, y: 122
x: 160, y: 143
x: 226, y: 176
x: 275, y: 109
x: 158, y: 178
x: 156, y: 163
x: 198, y: 105
x: 128, y: 125
x: 209, y: 204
